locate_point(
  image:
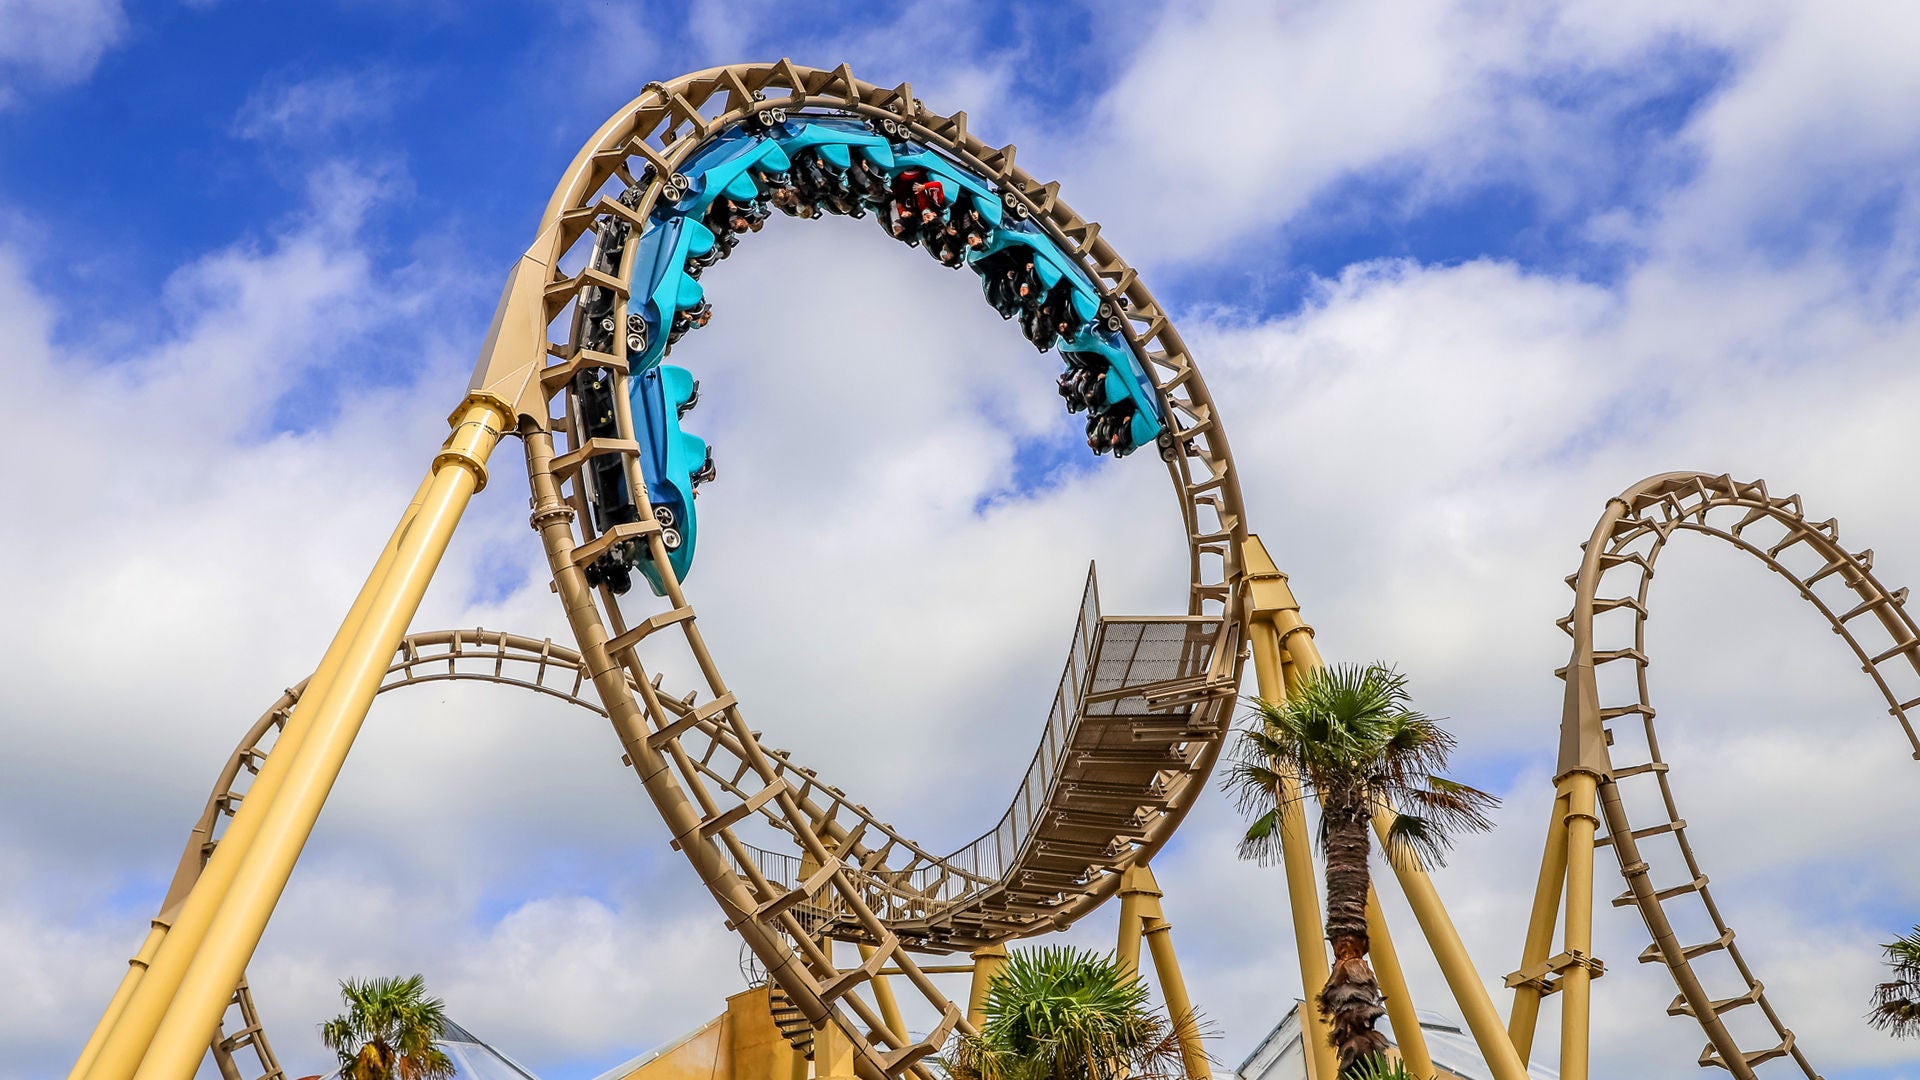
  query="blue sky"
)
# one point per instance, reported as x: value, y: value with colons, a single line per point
x: 207, y: 124
x: 1457, y: 271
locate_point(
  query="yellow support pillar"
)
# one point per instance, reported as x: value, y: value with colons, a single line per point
x: 1299, y: 656
x: 1273, y: 603
x: 458, y: 472
x: 987, y: 962
x: 1529, y: 989
x: 1136, y: 886
x: 1584, y: 763
x: 889, y: 1005
x: 1393, y: 984
x: 122, y: 1036
x: 1173, y: 987
x: 1576, y: 982
x: 1469, y: 993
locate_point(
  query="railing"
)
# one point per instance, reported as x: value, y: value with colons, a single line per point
x: 994, y: 852
x: 991, y: 855
x: 1107, y: 657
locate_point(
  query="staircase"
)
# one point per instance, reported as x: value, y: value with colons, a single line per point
x: 791, y: 1022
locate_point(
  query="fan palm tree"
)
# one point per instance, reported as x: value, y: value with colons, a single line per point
x: 1896, y: 1004
x: 1349, y: 735
x: 1066, y: 1014
x: 388, y: 1031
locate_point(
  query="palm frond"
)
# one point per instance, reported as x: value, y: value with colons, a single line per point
x: 1380, y: 1067
x: 431, y: 1063
x: 1896, y: 1004
x: 389, y: 1020
x: 1256, y: 777
x: 1903, y: 955
x: 1065, y: 1014
x: 1351, y: 737
x: 1262, y: 840
x: 1411, y: 836
x: 340, y: 1037
x: 1430, y: 816
x: 1896, y: 1009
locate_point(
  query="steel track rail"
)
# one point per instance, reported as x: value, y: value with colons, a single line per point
x: 533, y: 664
x: 1841, y: 585
x: 640, y: 150
x: 543, y: 667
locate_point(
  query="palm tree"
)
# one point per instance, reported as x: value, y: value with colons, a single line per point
x: 1066, y: 1014
x: 1348, y: 734
x: 388, y: 1031
x: 1896, y: 1004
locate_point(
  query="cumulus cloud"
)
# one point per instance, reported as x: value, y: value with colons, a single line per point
x: 1249, y: 114
x: 54, y: 42
x: 315, y: 107
x: 1805, y: 152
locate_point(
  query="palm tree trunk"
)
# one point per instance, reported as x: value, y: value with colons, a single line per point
x: 1351, y: 1000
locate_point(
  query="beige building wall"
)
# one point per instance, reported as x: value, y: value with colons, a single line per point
x: 739, y: 1044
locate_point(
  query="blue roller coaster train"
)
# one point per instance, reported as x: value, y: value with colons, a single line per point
x: 807, y: 165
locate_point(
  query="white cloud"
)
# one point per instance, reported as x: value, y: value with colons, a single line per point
x: 305, y: 109
x: 1246, y: 114
x: 54, y: 42
x: 1805, y: 140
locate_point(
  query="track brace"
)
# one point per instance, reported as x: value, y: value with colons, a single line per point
x: 1545, y: 976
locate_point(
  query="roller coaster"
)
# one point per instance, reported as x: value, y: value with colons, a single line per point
x: 591, y: 312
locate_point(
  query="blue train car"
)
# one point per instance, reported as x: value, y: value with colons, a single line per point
x: 674, y: 462
x: 807, y: 165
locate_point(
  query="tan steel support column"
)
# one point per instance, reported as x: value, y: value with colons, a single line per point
x: 1173, y: 990
x: 120, y: 1039
x: 459, y: 470
x: 1142, y: 916
x: 1576, y: 982
x: 1276, y: 618
x: 1393, y: 984
x: 987, y: 961
x: 889, y: 1005
x: 1525, y: 1017
x: 1136, y: 887
x: 1469, y: 993
x: 1583, y: 762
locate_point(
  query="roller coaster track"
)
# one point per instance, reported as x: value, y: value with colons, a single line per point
x: 536, y: 665
x: 1712, y: 976
x: 542, y: 667
x: 892, y: 897
x: 1142, y: 706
